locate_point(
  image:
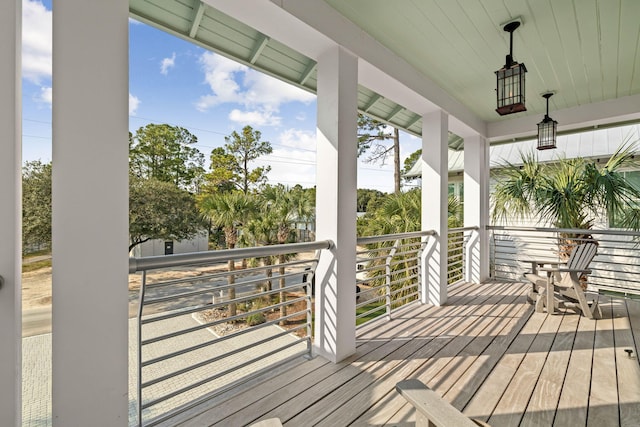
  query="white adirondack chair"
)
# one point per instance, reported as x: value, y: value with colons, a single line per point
x: 561, y: 287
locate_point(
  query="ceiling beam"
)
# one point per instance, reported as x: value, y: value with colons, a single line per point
x: 375, y: 98
x: 311, y: 67
x: 258, y: 48
x: 197, y: 18
x: 413, y: 121
x: 395, y: 112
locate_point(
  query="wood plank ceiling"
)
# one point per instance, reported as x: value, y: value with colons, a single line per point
x: 584, y: 50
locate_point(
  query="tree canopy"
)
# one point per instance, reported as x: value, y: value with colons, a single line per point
x: 36, y: 204
x: 231, y: 164
x: 165, y: 153
x: 160, y: 210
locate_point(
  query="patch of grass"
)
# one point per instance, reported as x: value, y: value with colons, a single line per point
x: 32, y: 266
x: 372, y: 315
x: 37, y: 253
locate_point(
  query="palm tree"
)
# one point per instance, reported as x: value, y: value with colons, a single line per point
x: 569, y: 193
x: 261, y: 232
x: 229, y: 211
x: 287, y: 207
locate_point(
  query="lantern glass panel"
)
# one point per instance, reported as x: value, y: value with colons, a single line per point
x: 547, y: 134
x: 510, y: 89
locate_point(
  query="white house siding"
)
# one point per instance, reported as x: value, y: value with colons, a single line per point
x: 156, y: 247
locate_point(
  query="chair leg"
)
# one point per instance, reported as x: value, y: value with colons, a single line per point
x: 540, y: 301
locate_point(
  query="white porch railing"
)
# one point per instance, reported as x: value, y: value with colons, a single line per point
x: 388, y: 272
x: 615, y: 268
x: 457, y: 241
x: 203, y: 328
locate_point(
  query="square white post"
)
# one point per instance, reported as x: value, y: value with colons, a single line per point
x: 435, y: 175
x: 335, y: 336
x: 476, y: 207
x: 10, y: 214
x: 90, y: 212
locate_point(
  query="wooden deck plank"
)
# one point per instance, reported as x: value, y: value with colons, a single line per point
x: 628, y: 369
x: 633, y: 308
x: 379, y: 390
x: 486, y: 399
x: 285, y: 406
x: 515, y: 399
x: 472, y: 343
x: 467, y: 385
x: 544, y: 400
x: 485, y: 351
x: 574, y: 397
x: 376, y: 383
x: 603, y: 396
x: 315, y: 369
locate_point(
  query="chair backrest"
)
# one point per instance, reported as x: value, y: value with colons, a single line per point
x: 582, y: 255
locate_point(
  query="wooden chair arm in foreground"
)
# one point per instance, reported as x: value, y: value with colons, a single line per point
x: 431, y: 409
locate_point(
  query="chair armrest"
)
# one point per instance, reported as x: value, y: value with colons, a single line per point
x: 538, y: 263
x: 565, y: 270
x: 430, y: 407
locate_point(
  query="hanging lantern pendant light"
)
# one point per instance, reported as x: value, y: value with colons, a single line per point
x: 510, y: 79
x: 547, y: 129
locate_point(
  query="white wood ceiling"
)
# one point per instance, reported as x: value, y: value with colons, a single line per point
x: 586, y: 51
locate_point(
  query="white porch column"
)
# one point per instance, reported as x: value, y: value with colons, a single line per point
x: 336, y: 204
x: 90, y: 213
x: 476, y: 207
x: 435, y: 176
x: 10, y: 214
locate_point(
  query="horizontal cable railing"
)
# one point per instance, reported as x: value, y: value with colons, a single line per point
x: 388, y: 272
x: 616, y: 266
x: 457, y: 241
x: 208, y: 321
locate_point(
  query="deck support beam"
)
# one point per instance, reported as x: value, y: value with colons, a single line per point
x: 476, y: 207
x: 90, y: 213
x: 435, y: 137
x: 10, y: 214
x: 335, y: 336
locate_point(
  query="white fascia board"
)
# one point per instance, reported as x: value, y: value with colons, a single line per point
x: 618, y: 110
x: 312, y: 26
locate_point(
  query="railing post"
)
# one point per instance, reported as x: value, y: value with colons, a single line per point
x: 143, y: 283
x: 387, y: 288
x: 471, y: 261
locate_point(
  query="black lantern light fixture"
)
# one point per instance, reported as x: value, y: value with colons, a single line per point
x: 510, y: 80
x: 547, y: 129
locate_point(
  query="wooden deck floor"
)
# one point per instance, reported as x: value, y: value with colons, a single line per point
x: 486, y: 352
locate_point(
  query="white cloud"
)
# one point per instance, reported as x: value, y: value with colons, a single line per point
x: 297, y: 138
x: 134, y: 102
x: 36, y: 41
x: 167, y: 63
x: 260, y: 95
x: 293, y: 159
x: 46, y: 95
x: 256, y: 118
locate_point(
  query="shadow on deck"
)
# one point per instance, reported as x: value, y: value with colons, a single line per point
x: 486, y: 352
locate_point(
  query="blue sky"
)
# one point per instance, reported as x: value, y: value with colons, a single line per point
x: 176, y: 82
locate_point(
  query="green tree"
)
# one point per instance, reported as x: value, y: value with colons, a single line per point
x: 568, y: 193
x: 229, y: 211
x: 165, y: 153
x: 160, y: 210
x: 368, y: 199
x: 409, y: 162
x: 372, y: 135
x: 231, y: 164
x: 288, y: 206
x: 36, y: 204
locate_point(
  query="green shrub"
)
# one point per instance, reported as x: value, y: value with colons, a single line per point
x: 255, y: 319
